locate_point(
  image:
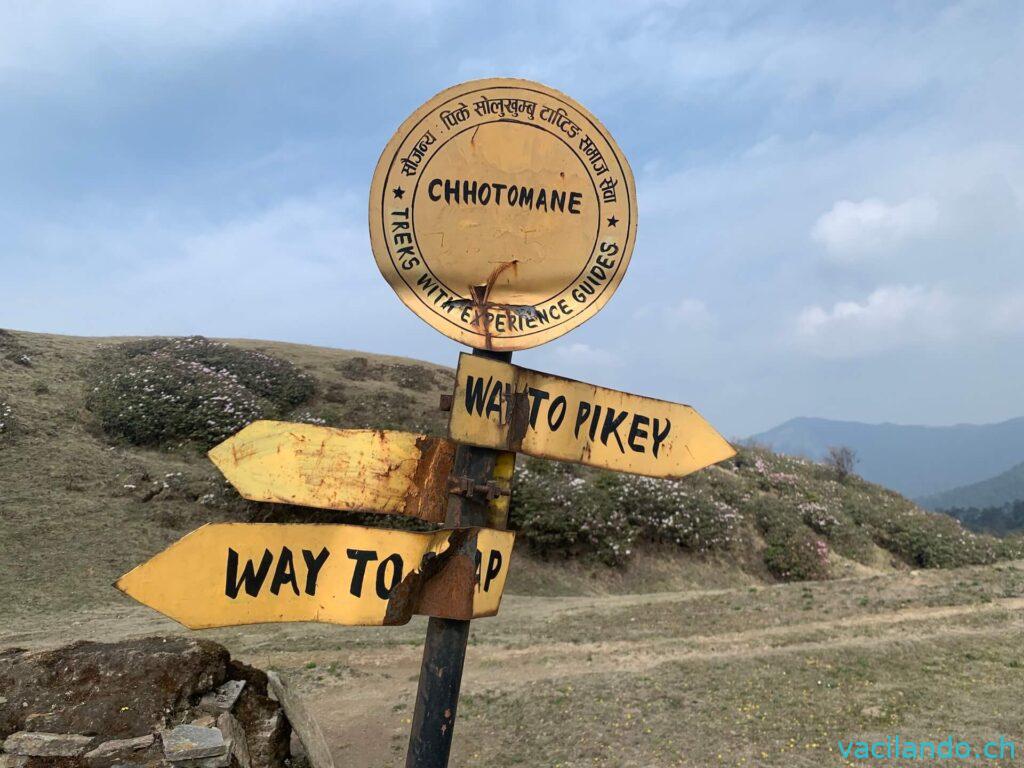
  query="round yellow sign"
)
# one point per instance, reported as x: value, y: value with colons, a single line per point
x: 503, y: 213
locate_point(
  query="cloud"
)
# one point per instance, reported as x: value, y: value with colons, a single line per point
x: 891, y: 317
x: 1007, y: 314
x: 579, y: 354
x: 687, y: 314
x: 851, y: 230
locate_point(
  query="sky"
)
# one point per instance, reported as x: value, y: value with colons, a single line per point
x: 830, y: 195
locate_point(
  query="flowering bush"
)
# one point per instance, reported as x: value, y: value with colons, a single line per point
x: 674, y: 512
x: 563, y: 511
x: 157, y: 399
x: 560, y: 514
x: 797, y: 555
x: 191, y: 390
x: 6, y: 419
x: 270, y: 378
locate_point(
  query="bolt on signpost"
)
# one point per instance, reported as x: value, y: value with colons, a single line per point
x: 504, y: 215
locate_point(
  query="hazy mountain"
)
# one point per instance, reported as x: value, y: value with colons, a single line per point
x: 1004, y: 488
x: 917, y: 461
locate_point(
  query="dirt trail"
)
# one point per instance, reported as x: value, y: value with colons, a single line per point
x: 360, y: 682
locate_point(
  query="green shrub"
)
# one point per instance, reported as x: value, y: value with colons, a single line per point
x: 159, y: 392
x: 6, y: 420
x: 676, y: 512
x: 157, y: 399
x: 270, y: 378
x: 796, y: 554
x: 560, y: 514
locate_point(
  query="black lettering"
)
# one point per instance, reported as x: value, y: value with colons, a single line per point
x: 611, y: 427
x: 313, y: 566
x: 430, y: 190
x: 595, y: 422
x: 451, y: 191
x: 581, y: 416
x: 636, y: 433
x: 554, y: 422
x: 538, y: 395
x: 285, y: 573
x: 383, y: 588
x: 476, y: 394
x: 253, y: 578
x: 659, y: 437
x: 494, y: 401
x: 362, y: 557
x: 575, y: 198
x: 493, y: 568
x: 557, y: 201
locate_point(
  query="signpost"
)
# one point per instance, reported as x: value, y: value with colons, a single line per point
x: 503, y: 406
x: 504, y: 215
x: 378, y: 470
x: 229, y: 574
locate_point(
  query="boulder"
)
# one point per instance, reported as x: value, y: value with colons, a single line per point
x: 150, y: 703
x: 119, y: 690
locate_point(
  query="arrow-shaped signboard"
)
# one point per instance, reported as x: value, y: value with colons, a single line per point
x: 228, y: 574
x: 373, y: 470
x: 498, y: 405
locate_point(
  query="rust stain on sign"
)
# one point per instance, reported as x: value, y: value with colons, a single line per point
x: 368, y: 470
x: 229, y: 574
x: 503, y: 406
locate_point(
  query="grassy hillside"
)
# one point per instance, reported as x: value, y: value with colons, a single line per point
x: 102, y: 465
x: 1005, y: 488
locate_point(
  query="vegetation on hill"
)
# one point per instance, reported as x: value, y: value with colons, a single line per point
x: 110, y: 434
x: 1005, y: 488
x: 161, y: 392
x: 1000, y: 520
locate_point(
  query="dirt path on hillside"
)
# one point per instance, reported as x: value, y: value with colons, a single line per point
x: 360, y: 682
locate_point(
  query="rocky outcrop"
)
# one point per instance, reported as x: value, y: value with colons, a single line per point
x: 164, y: 701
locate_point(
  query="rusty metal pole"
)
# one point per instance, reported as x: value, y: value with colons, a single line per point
x: 444, y: 651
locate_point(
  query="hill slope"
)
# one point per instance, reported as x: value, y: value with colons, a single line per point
x: 80, y: 506
x: 912, y: 460
x: 1005, y: 488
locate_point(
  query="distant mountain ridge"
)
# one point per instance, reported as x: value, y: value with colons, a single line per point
x: 914, y: 460
x: 1005, y: 488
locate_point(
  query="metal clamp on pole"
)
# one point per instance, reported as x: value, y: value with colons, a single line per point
x: 465, y: 486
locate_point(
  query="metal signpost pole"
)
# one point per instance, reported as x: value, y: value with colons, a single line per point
x: 444, y: 651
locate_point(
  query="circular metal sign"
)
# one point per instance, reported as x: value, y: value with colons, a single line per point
x: 503, y: 213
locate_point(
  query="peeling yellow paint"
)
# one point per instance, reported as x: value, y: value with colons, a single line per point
x: 368, y: 470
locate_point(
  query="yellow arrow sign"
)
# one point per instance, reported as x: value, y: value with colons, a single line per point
x: 228, y: 574
x: 503, y: 406
x: 371, y: 470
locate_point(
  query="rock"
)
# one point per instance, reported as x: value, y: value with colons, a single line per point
x: 47, y: 744
x: 191, y: 742
x: 119, y: 690
x: 223, y: 698
x: 205, y: 720
x: 234, y: 733
x: 306, y: 728
x: 267, y: 730
x: 117, y: 751
x: 13, y: 761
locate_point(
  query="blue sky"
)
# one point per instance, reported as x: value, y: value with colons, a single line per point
x: 830, y: 194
